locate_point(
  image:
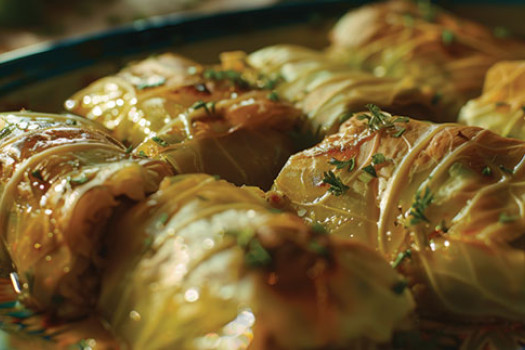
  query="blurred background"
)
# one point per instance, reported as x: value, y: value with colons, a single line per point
x: 26, y: 22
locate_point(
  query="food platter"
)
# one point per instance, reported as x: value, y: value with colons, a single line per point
x: 41, y: 78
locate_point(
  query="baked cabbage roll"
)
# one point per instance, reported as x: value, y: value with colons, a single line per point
x: 203, y: 264
x: 329, y: 92
x: 449, y: 196
x: 501, y: 106
x: 245, y: 140
x: 402, y: 38
x: 61, y: 177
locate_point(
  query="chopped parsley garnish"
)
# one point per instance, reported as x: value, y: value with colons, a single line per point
x: 129, y: 149
x: 142, y: 154
x: 317, y: 248
x: 486, y: 171
x: 501, y: 32
x: 345, y: 116
x: 400, y: 257
x: 230, y: 75
x: 337, y: 187
x: 419, y: 206
x: 71, y: 122
x: 504, y: 218
x: 273, y: 96
x: 257, y: 256
x: 400, y: 287
x: 317, y: 227
x: 442, y: 226
x: 447, y: 37
x: 378, y: 158
x: 506, y: 170
x: 340, y: 164
x: 159, y: 141
x: 436, y: 98
x: 269, y: 83
x: 400, y: 132
x: 82, y: 179
x: 37, y: 175
x: 370, y: 170
x: 209, y: 107
x: 162, y: 219
x: 5, y: 131
x: 379, y: 120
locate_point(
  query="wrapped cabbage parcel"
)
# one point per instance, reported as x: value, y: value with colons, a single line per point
x: 60, y: 179
x: 400, y: 38
x: 221, y: 120
x: 501, y: 106
x: 329, y: 91
x: 203, y: 264
x: 449, y: 196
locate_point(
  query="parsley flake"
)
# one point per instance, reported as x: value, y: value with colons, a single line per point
x: 82, y: 179
x: 419, y: 206
x: 370, y: 170
x: 37, y: 175
x: 504, y: 218
x: 378, y: 158
x: 506, y: 170
x: 486, y: 171
x: 447, y: 37
x: 400, y: 257
x: 340, y: 164
x: 159, y: 141
x: 273, y: 96
x: 379, y: 120
x: 337, y: 187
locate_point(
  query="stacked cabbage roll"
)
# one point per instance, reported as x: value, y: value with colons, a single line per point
x: 401, y: 38
x: 202, y: 264
x: 442, y: 202
x: 501, y: 106
x: 61, y: 177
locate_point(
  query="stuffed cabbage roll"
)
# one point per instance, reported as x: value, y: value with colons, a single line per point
x: 449, y: 196
x: 329, y: 92
x: 501, y: 106
x: 402, y: 38
x: 245, y: 140
x: 202, y: 264
x: 61, y: 177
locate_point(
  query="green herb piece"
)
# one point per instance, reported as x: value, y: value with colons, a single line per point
x: 399, y: 287
x: 37, y: 175
x: 162, y: 220
x: 159, y: 141
x: 317, y: 248
x: 129, y: 149
x: 400, y: 132
x: 442, y: 226
x: 344, y: 117
x: 209, y: 107
x: 370, y: 170
x: 400, y: 257
x: 71, y: 122
x: 486, y: 171
x: 436, y: 98
x: 337, y: 187
x: 504, y: 218
x: 378, y: 158
x: 273, y: 96
x: 5, y: 131
x: 419, y: 206
x: 340, y: 164
x: 447, y: 37
x: 269, y: 83
x: 506, y: 170
x: 142, y: 154
x: 82, y: 179
x: 317, y: 227
x: 501, y: 32
x: 229, y: 75
x: 257, y: 256
x: 378, y: 120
